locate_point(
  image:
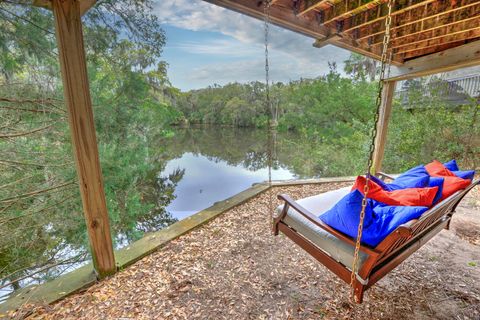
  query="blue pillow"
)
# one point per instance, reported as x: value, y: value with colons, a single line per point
x: 414, y: 178
x: 451, y: 165
x: 469, y: 174
x: 387, y: 219
x: 436, y: 182
x: 418, y: 171
x: 404, y: 182
x: 345, y: 215
x: 380, y: 219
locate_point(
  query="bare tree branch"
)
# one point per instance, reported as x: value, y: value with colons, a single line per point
x: 21, y: 134
x: 34, y: 193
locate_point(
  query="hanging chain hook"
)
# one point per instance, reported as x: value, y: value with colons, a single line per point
x: 384, y: 60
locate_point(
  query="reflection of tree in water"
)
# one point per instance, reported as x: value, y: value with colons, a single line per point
x: 163, y: 194
x: 57, y: 243
x: 246, y: 147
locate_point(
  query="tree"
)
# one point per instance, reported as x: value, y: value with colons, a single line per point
x: 360, y: 67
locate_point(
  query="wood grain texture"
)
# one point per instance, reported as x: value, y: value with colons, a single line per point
x: 76, y: 89
x: 85, y: 5
x: 461, y: 56
x: 382, y: 128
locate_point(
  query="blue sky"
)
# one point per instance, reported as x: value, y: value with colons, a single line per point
x: 207, y: 44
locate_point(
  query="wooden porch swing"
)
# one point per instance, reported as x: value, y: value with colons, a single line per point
x: 296, y: 221
x: 357, y: 264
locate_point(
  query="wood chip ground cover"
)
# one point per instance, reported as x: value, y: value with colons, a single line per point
x: 233, y: 268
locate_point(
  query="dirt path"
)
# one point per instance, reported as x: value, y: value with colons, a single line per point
x: 233, y: 268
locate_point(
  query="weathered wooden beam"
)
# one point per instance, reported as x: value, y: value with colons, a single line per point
x: 461, y: 35
x: 278, y: 16
x: 375, y: 17
x: 348, y: 44
x: 306, y: 6
x: 320, y: 43
x: 415, y: 54
x: 352, y: 45
x: 85, y: 5
x: 450, y: 59
x: 382, y: 127
x: 434, y: 21
x: 68, y: 27
x: 345, y: 9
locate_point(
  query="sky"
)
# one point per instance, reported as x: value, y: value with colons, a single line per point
x: 208, y: 45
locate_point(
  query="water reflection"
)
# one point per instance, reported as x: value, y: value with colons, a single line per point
x: 207, y: 180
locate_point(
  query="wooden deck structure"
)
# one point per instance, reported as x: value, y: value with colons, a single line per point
x: 429, y: 36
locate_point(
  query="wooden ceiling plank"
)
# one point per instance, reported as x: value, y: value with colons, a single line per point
x: 434, y: 20
x: 420, y: 53
x: 306, y: 6
x: 346, y: 9
x: 449, y: 38
x: 367, y: 18
x: 460, y: 28
x: 450, y: 59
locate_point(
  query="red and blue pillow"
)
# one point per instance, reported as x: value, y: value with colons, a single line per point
x: 453, y: 166
x: 451, y: 183
x: 390, y: 205
x: 401, y: 197
x: 380, y: 219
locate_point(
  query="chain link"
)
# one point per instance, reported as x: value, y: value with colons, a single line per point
x: 266, y: 20
x: 384, y: 61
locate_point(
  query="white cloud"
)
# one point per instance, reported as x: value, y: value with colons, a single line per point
x: 292, y: 54
x: 229, y: 48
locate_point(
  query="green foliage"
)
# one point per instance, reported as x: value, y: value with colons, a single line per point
x: 422, y: 134
x: 41, y: 219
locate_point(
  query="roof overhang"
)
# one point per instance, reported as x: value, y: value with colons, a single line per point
x: 419, y: 27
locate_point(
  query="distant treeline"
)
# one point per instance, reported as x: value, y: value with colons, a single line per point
x: 337, y: 111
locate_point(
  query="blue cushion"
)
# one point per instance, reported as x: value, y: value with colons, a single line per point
x: 414, y: 178
x: 418, y: 171
x: 345, y: 215
x: 387, y: 219
x: 436, y: 182
x: 380, y: 219
x: 404, y: 182
x: 469, y: 174
x: 451, y: 165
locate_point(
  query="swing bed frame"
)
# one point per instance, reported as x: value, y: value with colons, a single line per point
x: 395, y: 248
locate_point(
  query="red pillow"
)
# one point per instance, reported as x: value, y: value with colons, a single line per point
x: 422, y: 197
x: 437, y: 169
x: 452, y: 183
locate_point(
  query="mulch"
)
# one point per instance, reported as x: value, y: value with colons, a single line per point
x: 233, y: 268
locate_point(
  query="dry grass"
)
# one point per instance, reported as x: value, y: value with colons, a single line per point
x: 233, y: 268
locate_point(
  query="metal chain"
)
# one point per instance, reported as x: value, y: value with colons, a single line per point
x: 378, y: 102
x: 266, y: 20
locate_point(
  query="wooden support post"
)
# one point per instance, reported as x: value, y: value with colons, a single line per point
x: 382, y: 128
x: 76, y: 89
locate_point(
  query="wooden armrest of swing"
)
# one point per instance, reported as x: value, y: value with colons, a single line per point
x: 383, y: 176
x: 312, y: 218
